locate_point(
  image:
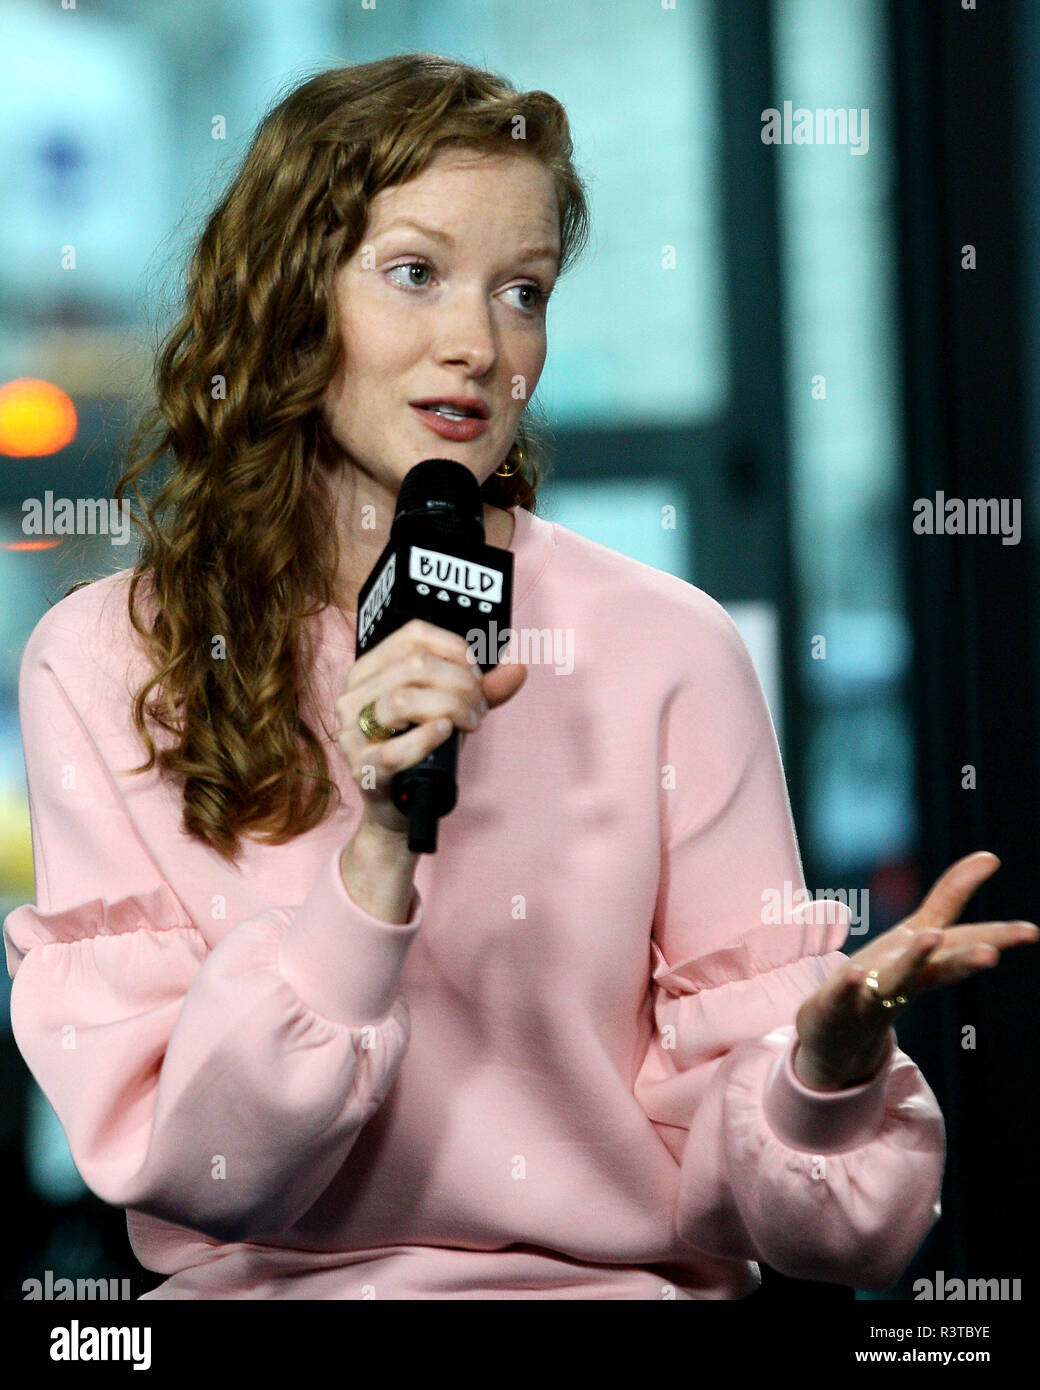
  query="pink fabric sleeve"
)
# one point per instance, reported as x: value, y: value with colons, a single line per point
x: 840, y: 1187
x: 220, y: 1089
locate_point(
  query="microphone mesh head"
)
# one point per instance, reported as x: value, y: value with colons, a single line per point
x: 443, y: 489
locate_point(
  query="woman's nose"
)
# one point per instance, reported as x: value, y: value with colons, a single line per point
x: 465, y: 332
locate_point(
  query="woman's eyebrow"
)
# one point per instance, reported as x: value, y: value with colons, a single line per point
x: 544, y: 251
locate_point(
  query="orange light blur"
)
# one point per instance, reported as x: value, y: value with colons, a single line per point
x: 36, y: 418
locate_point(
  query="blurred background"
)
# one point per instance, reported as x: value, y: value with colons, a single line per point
x: 788, y: 344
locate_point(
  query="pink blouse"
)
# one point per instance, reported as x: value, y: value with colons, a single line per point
x: 567, y: 1075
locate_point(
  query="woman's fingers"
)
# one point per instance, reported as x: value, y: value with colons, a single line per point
x: 502, y: 682
x: 426, y: 669
x: 842, y: 1027
x: 403, y: 750
x: 898, y: 972
x: 937, y: 957
x: 975, y: 946
x: 403, y: 641
x: 955, y: 966
x: 909, y: 961
x: 952, y: 889
x: 402, y: 705
x: 415, y: 688
x: 999, y: 934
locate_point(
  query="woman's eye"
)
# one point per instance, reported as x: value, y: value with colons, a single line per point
x: 536, y: 295
x: 411, y: 265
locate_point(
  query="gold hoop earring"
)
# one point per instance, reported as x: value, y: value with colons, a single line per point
x: 510, y: 472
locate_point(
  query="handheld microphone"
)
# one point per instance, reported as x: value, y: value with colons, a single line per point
x: 438, y: 567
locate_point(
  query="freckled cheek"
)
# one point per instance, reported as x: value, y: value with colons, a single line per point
x: 527, y: 360
x: 380, y: 342
x: 372, y: 309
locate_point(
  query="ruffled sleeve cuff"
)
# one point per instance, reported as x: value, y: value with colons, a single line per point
x: 824, y: 1121
x: 342, y: 962
x: 812, y: 930
x: 155, y: 909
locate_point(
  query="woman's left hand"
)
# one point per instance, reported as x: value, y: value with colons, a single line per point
x: 843, y: 1027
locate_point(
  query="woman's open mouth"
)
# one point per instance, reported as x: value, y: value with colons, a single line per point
x: 450, y: 422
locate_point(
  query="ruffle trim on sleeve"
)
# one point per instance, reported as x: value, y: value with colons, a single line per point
x: 814, y: 929
x: 157, y: 909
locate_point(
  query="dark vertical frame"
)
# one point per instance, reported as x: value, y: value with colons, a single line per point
x: 750, y: 492
x: 973, y: 600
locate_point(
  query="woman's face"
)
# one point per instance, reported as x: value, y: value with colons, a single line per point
x: 457, y: 314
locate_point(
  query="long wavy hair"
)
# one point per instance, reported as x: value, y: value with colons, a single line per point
x: 236, y: 540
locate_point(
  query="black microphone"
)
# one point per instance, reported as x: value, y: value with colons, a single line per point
x: 438, y: 567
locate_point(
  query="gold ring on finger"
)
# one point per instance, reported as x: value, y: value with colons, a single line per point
x: 873, y: 983
x: 371, y: 727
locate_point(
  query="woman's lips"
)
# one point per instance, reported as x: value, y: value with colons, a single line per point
x: 458, y: 430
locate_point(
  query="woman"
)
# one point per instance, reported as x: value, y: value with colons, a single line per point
x: 567, y: 1056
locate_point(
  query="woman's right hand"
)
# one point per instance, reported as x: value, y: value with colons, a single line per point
x: 415, y: 677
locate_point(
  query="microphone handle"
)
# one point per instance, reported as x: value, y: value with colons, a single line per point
x: 426, y: 791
